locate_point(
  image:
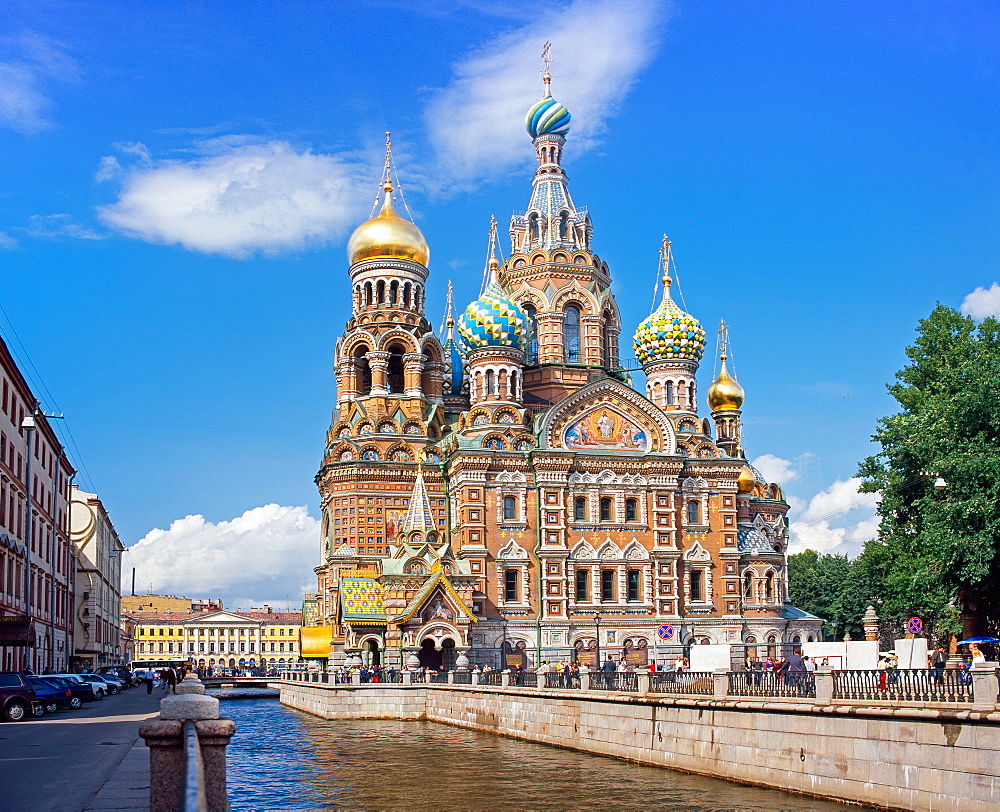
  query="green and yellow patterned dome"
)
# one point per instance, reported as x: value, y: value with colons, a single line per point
x: 669, y: 334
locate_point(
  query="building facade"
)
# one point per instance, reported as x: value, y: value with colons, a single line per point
x: 37, y: 560
x: 504, y: 494
x: 217, y: 638
x: 97, y: 610
x: 168, y: 603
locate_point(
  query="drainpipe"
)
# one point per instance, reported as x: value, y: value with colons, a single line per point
x: 538, y: 560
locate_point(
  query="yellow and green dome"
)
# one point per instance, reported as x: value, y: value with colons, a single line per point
x: 669, y: 334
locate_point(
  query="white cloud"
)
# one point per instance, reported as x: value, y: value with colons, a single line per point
x: 32, y: 62
x: 983, y: 302
x: 841, y: 505
x: 476, y: 123
x: 265, y: 555
x: 7, y: 242
x: 776, y: 469
x: 54, y: 226
x: 237, y: 197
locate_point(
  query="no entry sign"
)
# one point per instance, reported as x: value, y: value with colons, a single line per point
x: 666, y: 631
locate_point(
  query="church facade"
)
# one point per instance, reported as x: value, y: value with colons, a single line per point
x: 503, y: 495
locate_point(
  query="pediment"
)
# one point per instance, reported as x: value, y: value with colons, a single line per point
x: 583, y: 550
x: 224, y: 617
x: 609, y: 550
x: 512, y: 551
x: 636, y: 552
x: 697, y: 553
x: 608, y: 416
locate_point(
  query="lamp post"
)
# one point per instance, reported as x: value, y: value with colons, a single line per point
x: 597, y: 623
x: 28, y: 424
x: 503, y: 650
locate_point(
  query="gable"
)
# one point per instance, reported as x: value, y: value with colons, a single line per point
x: 608, y: 416
x: 224, y: 617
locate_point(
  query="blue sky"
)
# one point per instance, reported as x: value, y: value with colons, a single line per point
x: 179, y: 181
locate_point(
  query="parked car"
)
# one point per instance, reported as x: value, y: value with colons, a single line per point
x: 96, y: 691
x: 80, y: 691
x: 120, y: 671
x: 50, y: 694
x: 115, y: 685
x: 17, y: 697
x: 100, y: 686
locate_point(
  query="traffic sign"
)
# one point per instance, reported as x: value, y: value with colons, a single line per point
x: 914, y: 625
x: 666, y: 631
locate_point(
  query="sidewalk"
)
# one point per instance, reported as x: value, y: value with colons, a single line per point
x: 128, y: 786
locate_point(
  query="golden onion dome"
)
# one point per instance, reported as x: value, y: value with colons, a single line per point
x: 725, y: 394
x: 746, y: 481
x: 388, y: 235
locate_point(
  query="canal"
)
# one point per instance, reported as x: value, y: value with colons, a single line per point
x: 281, y: 758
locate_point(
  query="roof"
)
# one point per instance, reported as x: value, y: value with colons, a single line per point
x: 751, y: 540
x: 790, y: 612
x: 419, y: 517
x: 414, y: 605
x: 362, y: 599
x: 288, y: 618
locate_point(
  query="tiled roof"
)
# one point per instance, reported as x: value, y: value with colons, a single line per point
x: 362, y: 599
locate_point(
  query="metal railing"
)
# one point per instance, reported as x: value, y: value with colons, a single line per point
x: 682, y: 682
x: 766, y: 683
x: 463, y: 678
x: 524, y: 679
x: 492, y: 678
x: 564, y: 680
x: 195, y: 798
x: 908, y: 685
x: 438, y: 677
x: 615, y: 681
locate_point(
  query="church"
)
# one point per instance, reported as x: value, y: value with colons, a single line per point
x: 500, y: 494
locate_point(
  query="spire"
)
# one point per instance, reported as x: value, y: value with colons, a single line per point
x: 449, y: 312
x: 492, y: 264
x: 452, y: 354
x: 725, y: 393
x: 546, y: 61
x: 418, y: 518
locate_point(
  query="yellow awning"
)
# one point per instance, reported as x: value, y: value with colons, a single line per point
x: 316, y: 641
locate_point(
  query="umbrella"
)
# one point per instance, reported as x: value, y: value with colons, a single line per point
x: 978, y: 640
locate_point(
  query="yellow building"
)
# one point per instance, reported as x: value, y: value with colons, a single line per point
x: 220, y: 638
x: 166, y: 603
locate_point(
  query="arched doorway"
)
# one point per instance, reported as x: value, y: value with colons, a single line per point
x: 429, y: 656
x: 372, y: 657
x: 448, y: 654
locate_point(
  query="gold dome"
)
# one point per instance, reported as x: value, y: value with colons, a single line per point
x: 388, y: 235
x: 725, y: 394
x: 746, y: 481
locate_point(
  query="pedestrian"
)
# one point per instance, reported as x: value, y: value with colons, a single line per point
x: 608, y: 670
x: 147, y: 677
x: 938, y: 661
x: 977, y: 656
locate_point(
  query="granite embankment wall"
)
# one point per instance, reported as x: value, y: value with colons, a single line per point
x: 889, y: 757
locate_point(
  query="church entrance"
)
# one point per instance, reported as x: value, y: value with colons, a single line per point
x: 448, y: 654
x: 372, y: 657
x: 429, y: 656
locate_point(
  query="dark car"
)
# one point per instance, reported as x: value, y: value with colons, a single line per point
x: 51, y: 696
x: 101, y: 688
x: 113, y: 683
x: 120, y: 671
x: 17, y: 697
x: 80, y: 692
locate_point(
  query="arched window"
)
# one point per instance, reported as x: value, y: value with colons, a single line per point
x: 631, y: 510
x: 490, y: 382
x: 534, y: 233
x: 748, y: 586
x: 694, y: 511
x: 564, y: 226
x: 607, y: 586
x: 769, y: 587
x: 380, y: 291
x: 396, y: 379
x: 407, y: 288
x: 510, y: 586
x: 605, y: 508
x: 697, y: 586
x: 610, y: 351
x: 571, y: 335
x: 580, y: 509
x: 633, y: 583
x: 368, y: 294
x: 364, y: 371
x: 582, y: 585
x: 394, y: 292
x: 670, y: 393
x: 509, y: 508
x: 531, y: 351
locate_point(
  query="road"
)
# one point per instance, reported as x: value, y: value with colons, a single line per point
x: 59, y: 762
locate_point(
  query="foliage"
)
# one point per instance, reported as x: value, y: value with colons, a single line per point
x: 936, y: 545
x: 832, y: 587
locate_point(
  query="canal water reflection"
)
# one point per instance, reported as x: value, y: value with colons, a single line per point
x: 284, y: 759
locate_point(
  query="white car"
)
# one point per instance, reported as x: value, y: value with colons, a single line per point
x: 97, y: 690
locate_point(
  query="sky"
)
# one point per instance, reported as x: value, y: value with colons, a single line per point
x: 179, y: 181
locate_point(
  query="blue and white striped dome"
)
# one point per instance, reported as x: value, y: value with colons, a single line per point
x: 493, y: 320
x: 547, y: 117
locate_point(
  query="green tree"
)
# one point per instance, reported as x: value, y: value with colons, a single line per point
x: 832, y: 587
x: 939, y: 546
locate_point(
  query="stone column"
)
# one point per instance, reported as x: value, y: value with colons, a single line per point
x: 984, y: 686
x: 413, y: 369
x: 379, y: 363
x: 824, y: 686
x: 720, y: 684
x: 355, y: 677
x: 347, y: 378
x: 437, y: 370
x: 643, y: 679
x: 584, y: 678
x: 505, y: 679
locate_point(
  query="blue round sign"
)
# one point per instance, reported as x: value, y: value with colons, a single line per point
x: 666, y: 631
x: 914, y: 625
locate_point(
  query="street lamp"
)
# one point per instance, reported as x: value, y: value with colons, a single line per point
x: 597, y: 623
x: 503, y: 651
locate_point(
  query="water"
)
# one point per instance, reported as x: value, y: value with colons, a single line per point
x: 285, y: 759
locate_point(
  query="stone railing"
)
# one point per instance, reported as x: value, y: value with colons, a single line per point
x: 187, y: 751
x: 975, y: 689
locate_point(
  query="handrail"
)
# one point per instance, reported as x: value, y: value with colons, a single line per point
x: 195, y: 799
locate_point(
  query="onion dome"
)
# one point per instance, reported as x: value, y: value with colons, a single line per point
x: 668, y: 333
x: 725, y: 394
x: 746, y: 481
x: 547, y: 117
x: 387, y: 235
x: 493, y: 320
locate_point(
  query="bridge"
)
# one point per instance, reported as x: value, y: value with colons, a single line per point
x: 238, y: 682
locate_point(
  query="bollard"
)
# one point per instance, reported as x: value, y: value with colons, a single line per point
x: 720, y: 684
x: 642, y: 678
x: 984, y: 686
x: 451, y: 677
x: 824, y: 686
x: 407, y: 678
x: 165, y: 740
x: 505, y: 679
x: 584, y: 678
x: 355, y: 677
x: 475, y: 677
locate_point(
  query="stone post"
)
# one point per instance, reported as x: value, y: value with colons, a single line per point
x: 505, y: 679
x: 584, y: 678
x: 870, y: 623
x: 407, y: 678
x: 355, y: 677
x: 720, y: 684
x: 164, y: 736
x: 642, y: 678
x: 451, y: 677
x: 824, y: 686
x: 984, y: 686
x: 475, y: 677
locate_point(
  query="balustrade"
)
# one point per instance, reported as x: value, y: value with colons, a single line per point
x: 767, y: 683
x: 682, y: 682
x: 908, y: 685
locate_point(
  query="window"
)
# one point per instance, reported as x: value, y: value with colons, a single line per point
x: 748, y: 586
x: 605, y: 508
x: 670, y: 393
x: 697, y: 586
x: 394, y: 373
x: 694, y: 512
x: 607, y: 585
x: 580, y: 509
x: 571, y: 335
x: 509, y: 508
x: 510, y: 586
x: 769, y: 587
x: 531, y: 351
x: 582, y: 585
x: 631, y: 510
x: 633, y: 585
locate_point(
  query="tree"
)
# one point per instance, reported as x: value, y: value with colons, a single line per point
x: 939, y: 547
x: 831, y: 587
